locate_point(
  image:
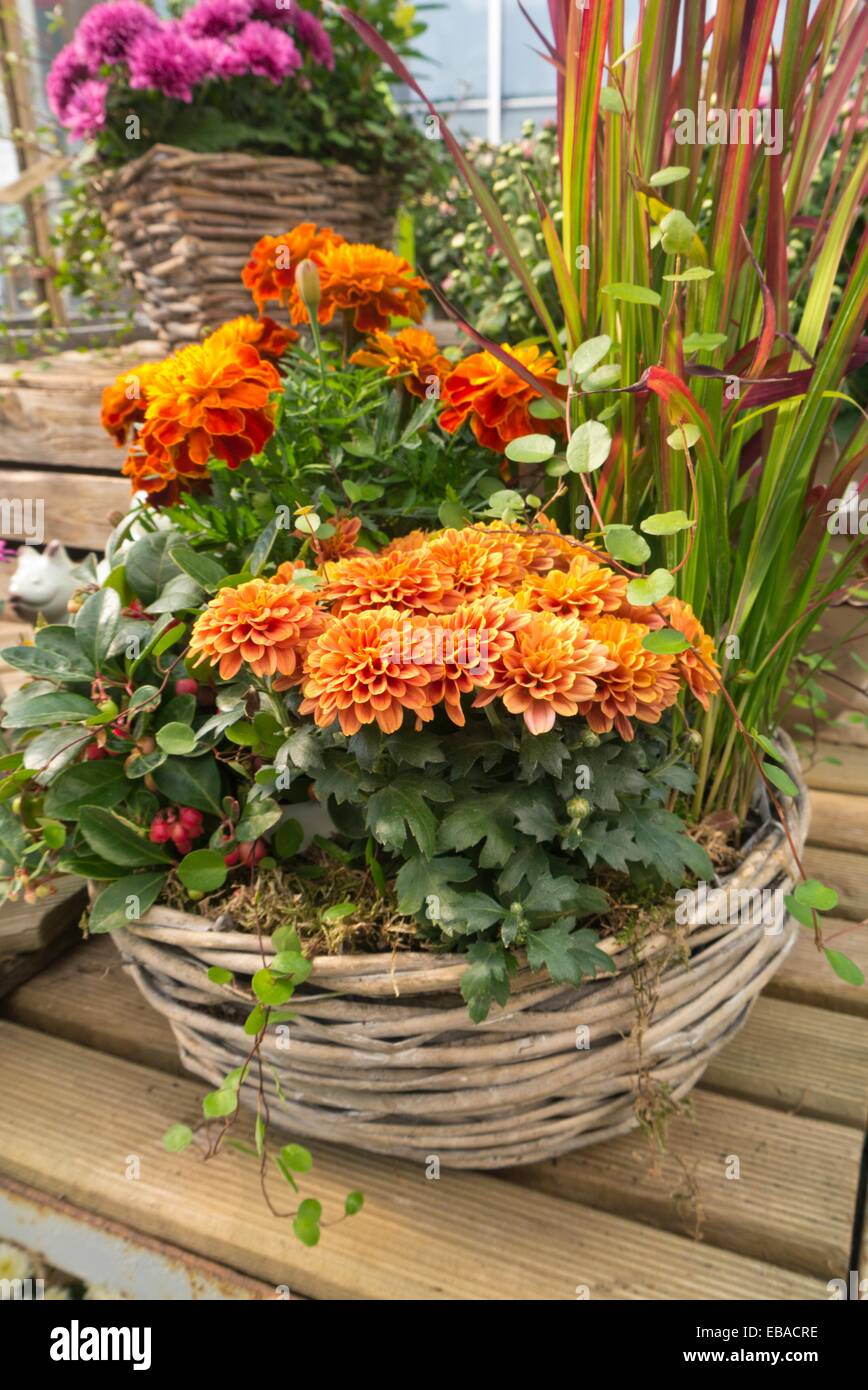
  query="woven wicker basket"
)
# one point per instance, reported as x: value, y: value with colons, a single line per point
x: 383, y: 1056
x: 183, y: 225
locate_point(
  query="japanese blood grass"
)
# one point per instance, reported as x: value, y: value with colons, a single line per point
x: 702, y: 319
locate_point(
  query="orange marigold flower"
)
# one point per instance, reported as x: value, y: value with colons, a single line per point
x: 358, y: 672
x: 368, y: 282
x: 157, y: 477
x: 543, y: 548
x: 464, y: 648
x: 270, y: 272
x: 495, y: 398
x: 585, y: 590
x: 639, y: 684
x: 396, y: 579
x: 211, y: 400
x: 478, y: 563
x: 412, y: 354
x: 263, y: 624
x: 124, y: 402
x: 548, y: 671
x: 269, y: 338
x: 702, y: 682
x: 342, y: 544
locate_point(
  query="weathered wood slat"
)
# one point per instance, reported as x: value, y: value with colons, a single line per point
x: 70, y: 1118
x: 783, y: 1206
x: 846, y: 873
x: 76, y: 506
x: 846, y: 772
x: 807, y: 978
x: 49, y: 407
x: 799, y: 1059
x: 839, y: 821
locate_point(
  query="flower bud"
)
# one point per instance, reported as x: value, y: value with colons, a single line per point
x: 307, y: 283
x: 578, y: 807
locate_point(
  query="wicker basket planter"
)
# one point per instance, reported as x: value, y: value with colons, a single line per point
x: 183, y: 225
x: 383, y: 1056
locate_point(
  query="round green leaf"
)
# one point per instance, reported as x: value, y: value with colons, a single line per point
x: 291, y: 963
x: 217, y: 1104
x: 812, y: 893
x: 586, y: 357
x: 632, y: 294
x: 672, y: 173
x: 203, y: 870
x: 337, y: 911
x: 601, y: 378
x: 703, y: 342
x: 530, y: 448
x: 625, y: 544
x: 845, y: 967
x: 779, y: 779
x: 452, y: 515
x: 354, y: 1203
x: 307, y: 1232
x: 219, y: 975
x: 695, y: 272
x: 612, y: 101
x: 176, y: 738
x: 177, y: 1137
x: 543, y: 409
x: 665, y: 523
x: 651, y: 589
x: 287, y: 839
x: 676, y: 233
x: 297, y: 1157
x: 683, y: 437
x: 666, y: 641
x: 589, y: 447
x: 270, y: 990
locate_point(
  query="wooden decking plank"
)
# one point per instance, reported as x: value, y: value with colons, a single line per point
x: 792, y: 1202
x: 845, y: 872
x: 87, y: 997
x: 807, y: 978
x: 71, y: 1117
x: 839, y: 821
x: 800, y: 1059
x: 847, y: 770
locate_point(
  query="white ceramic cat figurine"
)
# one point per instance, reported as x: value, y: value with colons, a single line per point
x: 43, y: 582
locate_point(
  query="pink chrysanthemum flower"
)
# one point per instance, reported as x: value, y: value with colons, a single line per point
x: 107, y: 32
x: 168, y: 61
x: 217, y: 19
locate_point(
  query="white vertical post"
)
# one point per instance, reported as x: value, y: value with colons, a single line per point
x: 495, y: 70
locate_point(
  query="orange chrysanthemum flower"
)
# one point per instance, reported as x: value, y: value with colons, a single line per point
x: 360, y: 672
x: 548, y: 671
x: 342, y: 544
x: 262, y: 624
x: 700, y: 680
x: 494, y: 397
x: 211, y: 400
x: 412, y: 354
x: 414, y: 540
x: 584, y: 591
x: 368, y: 282
x: 640, y: 684
x: 648, y: 617
x: 270, y: 272
x: 464, y: 648
x: 124, y: 402
x: 269, y: 338
x: 478, y: 563
x: 395, y: 579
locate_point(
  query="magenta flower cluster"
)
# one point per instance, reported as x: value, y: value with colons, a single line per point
x: 217, y: 40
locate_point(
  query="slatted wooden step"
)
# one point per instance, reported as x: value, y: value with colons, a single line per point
x: 838, y: 767
x: 777, y: 1208
x: 71, y: 1117
x: 75, y: 506
x: 839, y: 821
x: 806, y: 978
x: 803, y: 1060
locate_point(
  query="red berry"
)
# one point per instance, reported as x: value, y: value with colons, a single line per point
x: 161, y: 829
x: 232, y: 858
x: 183, y: 844
x: 191, y: 820
x: 252, y: 851
x: 93, y: 750
x: 186, y: 686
